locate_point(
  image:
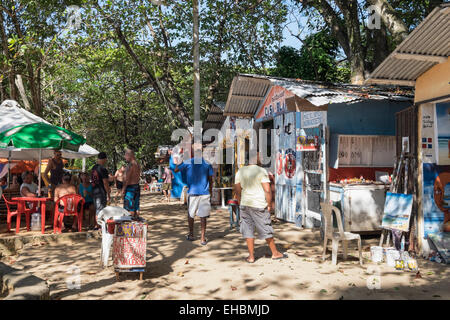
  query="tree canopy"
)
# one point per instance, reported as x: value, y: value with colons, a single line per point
x: 121, y: 72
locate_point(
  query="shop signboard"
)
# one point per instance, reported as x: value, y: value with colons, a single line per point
x: 310, y: 119
x: 427, y: 139
x: 274, y: 104
x: 306, y: 142
x: 130, y: 245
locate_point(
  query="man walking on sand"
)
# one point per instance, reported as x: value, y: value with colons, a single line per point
x: 253, y: 192
x: 199, y: 175
x: 167, y: 182
x: 131, y: 189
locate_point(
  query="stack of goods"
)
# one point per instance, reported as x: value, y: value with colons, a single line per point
x: 401, y: 260
x: 359, y: 180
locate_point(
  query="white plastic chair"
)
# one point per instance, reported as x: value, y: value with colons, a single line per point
x: 107, y: 238
x: 340, y: 235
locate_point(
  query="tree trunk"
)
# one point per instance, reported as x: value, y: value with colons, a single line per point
x: 394, y: 24
x: 11, y: 74
x: 32, y: 81
x: 23, y: 94
x: 381, y: 47
x: 176, y: 108
x: 349, y: 9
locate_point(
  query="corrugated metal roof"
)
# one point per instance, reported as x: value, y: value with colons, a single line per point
x: 427, y: 45
x: 248, y: 91
x: 215, y: 117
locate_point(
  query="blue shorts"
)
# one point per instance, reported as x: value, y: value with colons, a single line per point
x: 132, y: 197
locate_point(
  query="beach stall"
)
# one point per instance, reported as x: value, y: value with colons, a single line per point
x: 421, y: 61
x: 329, y: 141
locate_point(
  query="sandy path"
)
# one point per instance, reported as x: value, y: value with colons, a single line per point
x: 178, y: 269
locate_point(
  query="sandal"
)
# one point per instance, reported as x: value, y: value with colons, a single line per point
x: 203, y: 243
x: 284, y: 256
x: 190, y: 237
x: 248, y: 261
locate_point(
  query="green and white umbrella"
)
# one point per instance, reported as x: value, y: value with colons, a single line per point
x: 40, y: 136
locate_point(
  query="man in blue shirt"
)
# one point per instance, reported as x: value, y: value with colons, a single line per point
x: 199, y: 174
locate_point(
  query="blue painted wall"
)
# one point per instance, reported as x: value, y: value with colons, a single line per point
x: 369, y: 117
x: 362, y: 118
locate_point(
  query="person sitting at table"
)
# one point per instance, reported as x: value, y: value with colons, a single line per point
x: 85, y: 190
x: 3, y: 182
x: 28, y: 187
x: 14, y: 186
x: 61, y: 190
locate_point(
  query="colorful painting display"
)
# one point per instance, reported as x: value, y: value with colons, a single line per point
x: 443, y: 133
x: 436, y: 197
x: 397, y: 211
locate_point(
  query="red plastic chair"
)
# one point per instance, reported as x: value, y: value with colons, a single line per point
x: 73, y: 206
x: 11, y: 214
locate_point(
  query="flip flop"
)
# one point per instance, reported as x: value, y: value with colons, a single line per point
x: 203, y: 243
x: 248, y: 261
x: 284, y: 256
x: 190, y: 238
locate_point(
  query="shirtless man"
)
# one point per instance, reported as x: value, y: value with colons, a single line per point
x: 118, y: 177
x: 131, y: 189
x: 64, y: 189
x: 56, y: 168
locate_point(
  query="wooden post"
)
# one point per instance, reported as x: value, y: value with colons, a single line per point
x: 420, y: 225
x: 196, y: 62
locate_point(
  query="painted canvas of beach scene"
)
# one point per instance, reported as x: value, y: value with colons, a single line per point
x: 443, y: 133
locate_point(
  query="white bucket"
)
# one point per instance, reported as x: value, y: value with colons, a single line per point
x: 391, y: 256
x: 376, y: 254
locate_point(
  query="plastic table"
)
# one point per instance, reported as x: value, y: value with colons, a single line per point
x: 222, y: 190
x: 21, y: 205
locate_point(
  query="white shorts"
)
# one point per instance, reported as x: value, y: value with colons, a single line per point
x: 199, y: 206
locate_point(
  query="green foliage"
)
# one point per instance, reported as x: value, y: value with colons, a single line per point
x: 316, y: 60
x: 90, y: 83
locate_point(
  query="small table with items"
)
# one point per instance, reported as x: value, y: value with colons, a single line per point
x: 21, y: 207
